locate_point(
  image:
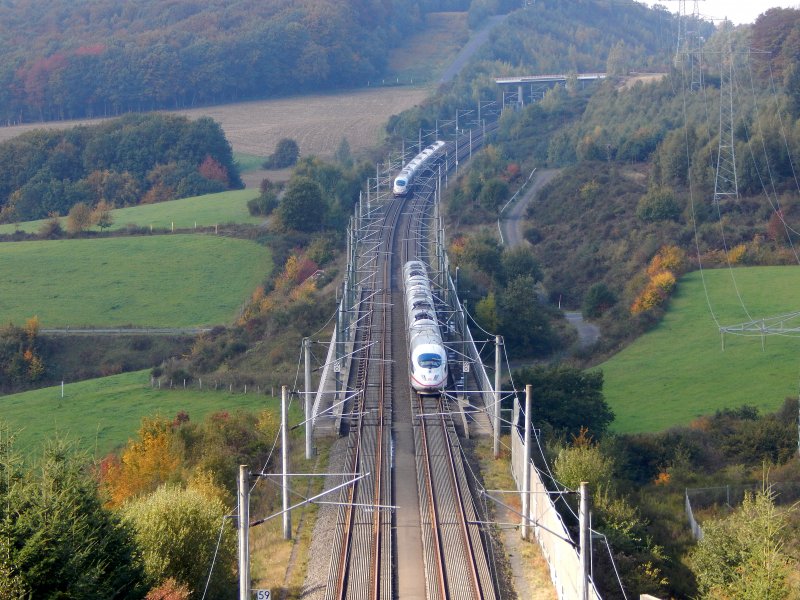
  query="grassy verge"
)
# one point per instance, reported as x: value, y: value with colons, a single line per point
x: 278, y: 564
x: 679, y: 370
x: 158, y: 281
x: 104, y: 413
x: 199, y: 211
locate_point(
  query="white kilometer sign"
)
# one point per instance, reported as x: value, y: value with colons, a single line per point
x: 263, y: 594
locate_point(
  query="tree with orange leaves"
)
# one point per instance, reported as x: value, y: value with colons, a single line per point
x: 145, y: 464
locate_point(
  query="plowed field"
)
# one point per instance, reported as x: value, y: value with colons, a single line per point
x: 316, y: 122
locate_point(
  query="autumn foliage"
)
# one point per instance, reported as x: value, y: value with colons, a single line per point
x: 294, y: 284
x: 21, y: 359
x: 662, y: 272
x: 144, y: 465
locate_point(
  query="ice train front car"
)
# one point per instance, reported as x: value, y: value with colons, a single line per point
x: 428, y: 359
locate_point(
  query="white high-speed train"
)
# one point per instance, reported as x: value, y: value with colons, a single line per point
x: 426, y: 350
x: 403, y: 183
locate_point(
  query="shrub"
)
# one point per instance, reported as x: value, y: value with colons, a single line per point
x: 263, y: 205
x: 51, y: 229
x: 286, y: 154
x: 598, y: 300
x: 658, y: 204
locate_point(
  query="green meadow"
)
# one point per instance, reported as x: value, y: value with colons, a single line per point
x: 679, y: 371
x: 104, y: 413
x: 187, y: 213
x: 248, y: 162
x: 146, y: 281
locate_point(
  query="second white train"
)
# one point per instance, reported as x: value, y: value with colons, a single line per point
x: 428, y: 368
x: 404, y: 182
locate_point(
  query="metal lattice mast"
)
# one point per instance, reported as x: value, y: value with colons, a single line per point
x: 725, y: 182
x: 689, y: 43
x: 694, y: 48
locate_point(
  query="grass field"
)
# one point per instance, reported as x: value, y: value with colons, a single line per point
x: 247, y: 162
x: 186, y: 213
x: 104, y: 413
x: 149, y: 281
x: 679, y: 371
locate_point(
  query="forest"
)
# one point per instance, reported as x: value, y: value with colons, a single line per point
x: 63, y: 59
x: 131, y: 160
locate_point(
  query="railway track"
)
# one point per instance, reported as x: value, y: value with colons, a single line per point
x: 430, y: 546
x: 362, y: 562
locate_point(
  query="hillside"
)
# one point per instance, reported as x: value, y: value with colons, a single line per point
x: 684, y: 369
x: 67, y: 59
x: 149, y: 281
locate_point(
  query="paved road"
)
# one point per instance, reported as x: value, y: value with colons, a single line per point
x: 511, y: 230
x: 514, y: 215
x: 588, y: 333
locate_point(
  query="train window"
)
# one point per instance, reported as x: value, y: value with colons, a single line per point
x: 416, y: 274
x: 422, y: 304
x: 423, y: 315
x: 429, y: 360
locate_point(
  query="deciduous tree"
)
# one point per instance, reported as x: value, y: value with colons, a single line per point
x: 145, y: 464
x: 101, y: 215
x: 176, y: 530
x: 302, y: 206
x: 79, y: 218
x: 567, y: 399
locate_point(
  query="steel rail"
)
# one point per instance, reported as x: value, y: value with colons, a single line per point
x: 432, y: 506
x: 466, y: 538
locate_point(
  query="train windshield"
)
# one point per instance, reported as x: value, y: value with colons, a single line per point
x: 400, y: 182
x: 429, y: 360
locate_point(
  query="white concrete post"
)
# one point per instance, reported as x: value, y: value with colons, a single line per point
x: 308, y: 403
x: 583, y: 519
x: 287, y: 516
x: 526, y: 471
x: 244, y: 533
x: 498, y: 350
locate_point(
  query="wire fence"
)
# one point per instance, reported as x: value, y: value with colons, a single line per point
x: 211, y: 385
x: 725, y: 498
